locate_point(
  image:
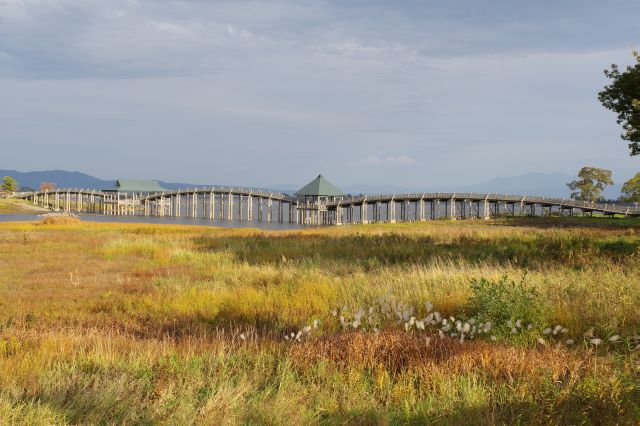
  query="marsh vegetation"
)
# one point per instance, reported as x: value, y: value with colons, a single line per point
x: 507, y: 321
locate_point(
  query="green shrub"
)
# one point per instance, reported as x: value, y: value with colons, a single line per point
x: 514, y: 309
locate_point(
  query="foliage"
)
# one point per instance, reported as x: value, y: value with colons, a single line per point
x: 631, y: 190
x: 166, y: 324
x: 9, y: 184
x: 622, y: 96
x: 592, y: 181
x: 505, y: 303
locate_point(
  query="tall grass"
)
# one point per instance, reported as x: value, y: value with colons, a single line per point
x: 122, y: 323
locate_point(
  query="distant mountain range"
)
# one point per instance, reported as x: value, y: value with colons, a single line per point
x: 65, y: 179
x: 548, y: 184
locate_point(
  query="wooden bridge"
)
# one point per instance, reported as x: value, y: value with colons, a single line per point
x: 245, y: 204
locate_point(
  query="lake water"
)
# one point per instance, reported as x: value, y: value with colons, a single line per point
x: 165, y: 220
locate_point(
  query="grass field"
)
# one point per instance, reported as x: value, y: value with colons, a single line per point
x: 513, y: 321
x: 16, y: 206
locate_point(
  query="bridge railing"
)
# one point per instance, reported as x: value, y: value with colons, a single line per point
x: 509, y: 198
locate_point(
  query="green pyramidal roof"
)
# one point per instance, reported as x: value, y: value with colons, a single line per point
x: 133, y: 185
x: 319, y: 187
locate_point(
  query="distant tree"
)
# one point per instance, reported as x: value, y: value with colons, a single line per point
x: 592, y: 181
x: 631, y: 190
x: 9, y: 184
x: 47, y: 186
x: 622, y: 96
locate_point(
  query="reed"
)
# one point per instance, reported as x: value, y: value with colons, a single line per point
x: 130, y: 323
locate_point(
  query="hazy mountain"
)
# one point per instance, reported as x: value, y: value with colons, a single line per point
x: 62, y: 178
x: 548, y: 184
x: 66, y: 179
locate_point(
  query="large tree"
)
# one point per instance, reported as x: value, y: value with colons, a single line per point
x: 631, y: 190
x: 590, y: 184
x: 9, y: 184
x: 622, y: 96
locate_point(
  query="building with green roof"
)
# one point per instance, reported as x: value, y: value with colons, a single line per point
x: 136, y: 186
x: 319, y: 189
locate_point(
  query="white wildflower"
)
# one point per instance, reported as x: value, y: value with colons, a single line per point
x: 595, y: 341
x: 614, y: 338
x: 493, y: 338
x: 429, y: 306
x: 547, y: 330
x: 519, y: 323
x: 556, y: 329
x: 307, y: 329
x: 487, y: 327
x: 541, y: 341
x: 564, y: 331
x: 570, y: 342
x: 529, y: 326
x: 466, y: 327
x: 242, y: 336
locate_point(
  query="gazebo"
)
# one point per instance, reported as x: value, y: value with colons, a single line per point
x: 319, y: 190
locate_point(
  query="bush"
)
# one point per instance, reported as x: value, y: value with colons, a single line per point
x: 514, y: 309
x: 58, y: 219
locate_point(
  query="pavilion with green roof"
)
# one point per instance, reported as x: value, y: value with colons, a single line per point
x: 319, y: 189
x: 136, y: 186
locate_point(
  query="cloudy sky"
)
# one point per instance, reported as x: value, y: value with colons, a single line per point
x: 273, y: 92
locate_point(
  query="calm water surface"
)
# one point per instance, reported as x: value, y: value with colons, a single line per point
x: 165, y: 220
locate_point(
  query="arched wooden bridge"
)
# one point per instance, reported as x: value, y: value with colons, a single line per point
x: 245, y: 204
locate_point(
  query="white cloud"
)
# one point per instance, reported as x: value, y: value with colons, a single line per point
x: 374, y: 160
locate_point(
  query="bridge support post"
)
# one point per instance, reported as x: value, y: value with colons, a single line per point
x: 391, y: 211
x: 486, y: 211
x: 421, y: 206
x: 269, y: 207
x: 250, y: 208
x: 363, y: 212
x: 212, y: 205
x: 338, y: 219
x: 452, y: 208
x: 230, y: 202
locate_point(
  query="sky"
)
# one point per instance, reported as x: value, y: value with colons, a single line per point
x: 258, y: 93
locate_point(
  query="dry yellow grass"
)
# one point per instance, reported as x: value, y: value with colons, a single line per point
x: 130, y: 323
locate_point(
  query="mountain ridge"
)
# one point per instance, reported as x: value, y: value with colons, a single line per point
x: 534, y: 183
